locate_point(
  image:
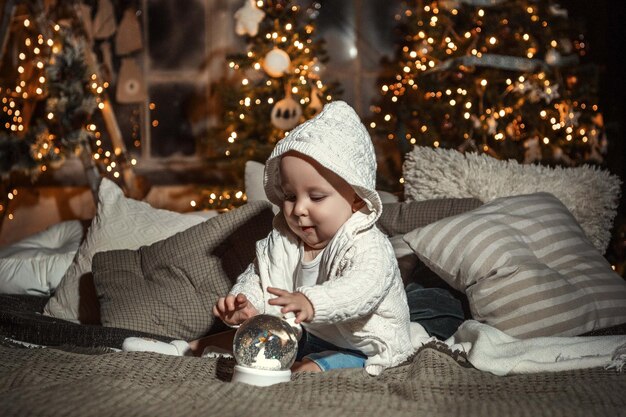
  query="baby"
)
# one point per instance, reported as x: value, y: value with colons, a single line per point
x: 325, y: 261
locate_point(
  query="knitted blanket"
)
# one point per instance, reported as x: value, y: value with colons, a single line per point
x: 86, y: 382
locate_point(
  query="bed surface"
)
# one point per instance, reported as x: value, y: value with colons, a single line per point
x: 78, y: 376
x: 55, y: 382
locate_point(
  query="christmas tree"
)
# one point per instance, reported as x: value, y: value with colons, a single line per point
x: 503, y: 77
x: 277, y: 82
x: 49, y: 97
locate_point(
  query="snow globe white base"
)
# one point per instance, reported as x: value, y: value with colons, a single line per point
x: 260, y: 377
x: 264, y: 347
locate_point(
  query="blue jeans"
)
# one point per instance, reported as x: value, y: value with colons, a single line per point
x: 326, y: 355
x: 435, y: 309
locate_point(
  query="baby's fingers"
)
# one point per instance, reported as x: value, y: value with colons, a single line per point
x: 229, y: 303
x: 276, y: 291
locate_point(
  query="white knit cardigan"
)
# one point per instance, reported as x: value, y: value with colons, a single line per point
x: 361, y: 305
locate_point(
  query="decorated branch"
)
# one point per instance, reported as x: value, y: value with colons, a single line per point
x: 503, y: 77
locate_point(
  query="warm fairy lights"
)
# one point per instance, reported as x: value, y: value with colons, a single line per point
x: 455, y: 79
x: 281, y: 29
x: 276, y: 84
x: 52, y: 141
x: 218, y: 199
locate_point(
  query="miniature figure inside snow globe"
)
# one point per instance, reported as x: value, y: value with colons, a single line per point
x: 264, y: 347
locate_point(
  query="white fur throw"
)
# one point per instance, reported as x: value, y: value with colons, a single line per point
x: 591, y: 194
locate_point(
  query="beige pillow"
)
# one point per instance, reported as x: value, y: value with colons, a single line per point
x: 591, y: 194
x: 400, y: 218
x: 120, y: 223
x: 526, y: 267
x: 170, y: 287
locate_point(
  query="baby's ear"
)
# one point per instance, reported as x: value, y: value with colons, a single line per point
x: 357, y: 204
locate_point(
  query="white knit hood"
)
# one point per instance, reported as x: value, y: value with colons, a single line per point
x: 338, y: 141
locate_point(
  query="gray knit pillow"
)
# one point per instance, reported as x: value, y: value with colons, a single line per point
x: 170, y: 287
x: 401, y: 218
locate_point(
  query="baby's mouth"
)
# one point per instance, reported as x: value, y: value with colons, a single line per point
x: 306, y: 228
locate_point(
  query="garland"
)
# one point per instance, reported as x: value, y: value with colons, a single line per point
x: 70, y: 102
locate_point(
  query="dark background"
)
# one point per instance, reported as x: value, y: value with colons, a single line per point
x: 605, y: 30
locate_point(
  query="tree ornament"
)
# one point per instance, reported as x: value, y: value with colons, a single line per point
x: 128, y: 37
x: 595, y: 149
x: 492, y: 125
x: 557, y: 10
x: 130, y: 84
x: 83, y: 12
x: 248, y: 18
x: 553, y: 57
x: 315, y: 104
x: 286, y: 113
x: 276, y: 63
x: 104, y: 22
x: 566, y: 45
x: 533, y: 150
x: 559, y: 155
x: 475, y: 121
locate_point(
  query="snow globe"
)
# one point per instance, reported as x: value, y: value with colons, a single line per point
x: 264, y: 347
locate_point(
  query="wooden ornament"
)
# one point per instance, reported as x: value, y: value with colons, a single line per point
x: 128, y: 36
x: 130, y: 82
x: 315, y: 104
x: 286, y: 113
x: 248, y: 18
x: 83, y: 12
x: 104, y: 25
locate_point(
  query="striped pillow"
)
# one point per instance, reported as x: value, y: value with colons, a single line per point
x: 526, y: 267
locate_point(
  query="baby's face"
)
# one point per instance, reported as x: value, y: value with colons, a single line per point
x: 317, y: 201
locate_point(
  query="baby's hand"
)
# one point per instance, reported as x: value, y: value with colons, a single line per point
x: 234, y: 310
x: 292, y: 301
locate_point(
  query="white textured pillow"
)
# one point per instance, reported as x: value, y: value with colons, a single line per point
x: 253, y: 181
x: 36, y: 264
x: 591, y: 194
x: 526, y: 267
x: 120, y: 223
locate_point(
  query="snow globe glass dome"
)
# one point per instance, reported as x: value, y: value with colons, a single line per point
x: 264, y: 347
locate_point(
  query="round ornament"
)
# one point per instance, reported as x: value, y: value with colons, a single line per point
x: 553, y: 57
x: 286, y: 113
x: 276, y: 63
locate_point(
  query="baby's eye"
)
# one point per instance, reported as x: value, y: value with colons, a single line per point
x: 317, y: 197
x: 290, y: 197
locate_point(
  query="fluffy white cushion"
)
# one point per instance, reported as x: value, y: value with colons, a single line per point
x: 526, y: 267
x: 36, y: 264
x: 591, y: 194
x: 253, y: 177
x: 120, y: 223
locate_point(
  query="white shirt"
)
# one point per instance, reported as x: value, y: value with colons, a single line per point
x: 308, y: 271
